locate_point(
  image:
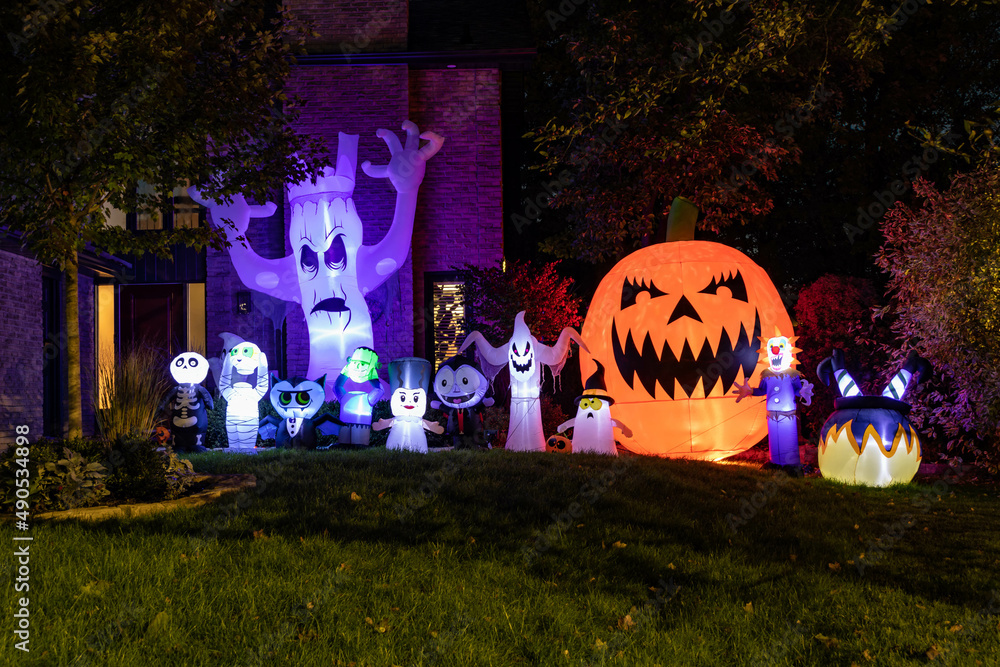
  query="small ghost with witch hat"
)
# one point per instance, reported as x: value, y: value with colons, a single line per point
x: 593, y: 426
x: 782, y: 385
x: 409, y: 380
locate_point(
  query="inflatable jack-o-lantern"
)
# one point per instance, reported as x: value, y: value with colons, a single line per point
x: 676, y: 326
x: 559, y: 444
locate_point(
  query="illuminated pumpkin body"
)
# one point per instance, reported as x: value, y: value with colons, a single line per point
x: 868, y: 440
x: 676, y: 325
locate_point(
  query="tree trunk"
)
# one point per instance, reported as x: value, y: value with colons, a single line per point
x: 74, y: 396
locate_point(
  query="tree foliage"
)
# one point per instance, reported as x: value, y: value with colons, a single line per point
x: 100, y: 95
x: 943, y: 262
x: 495, y: 296
x: 692, y: 98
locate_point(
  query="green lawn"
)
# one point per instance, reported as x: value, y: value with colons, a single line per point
x: 490, y: 558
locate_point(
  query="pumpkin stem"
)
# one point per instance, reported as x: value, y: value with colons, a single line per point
x: 680, y: 222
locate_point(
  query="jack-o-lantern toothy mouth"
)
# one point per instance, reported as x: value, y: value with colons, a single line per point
x: 708, y: 367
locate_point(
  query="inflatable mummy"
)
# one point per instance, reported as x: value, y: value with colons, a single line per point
x: 409, y: 380
x: 243, y: 384
x: 524, y: 357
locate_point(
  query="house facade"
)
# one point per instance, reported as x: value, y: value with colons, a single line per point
x: 450, y: 67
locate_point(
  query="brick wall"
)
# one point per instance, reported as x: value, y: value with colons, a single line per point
x: 266, y: 238
x: 349, y: 26
x: 459, y: 213
x: 21, y: 342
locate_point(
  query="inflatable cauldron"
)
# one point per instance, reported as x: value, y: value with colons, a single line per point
x: 868, y: 440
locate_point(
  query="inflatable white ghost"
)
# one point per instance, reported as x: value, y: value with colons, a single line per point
x: 409, y: 380
x: 329, y: 271
x: 243, y: 383
x: 593, y: 427
x: 525, y: 356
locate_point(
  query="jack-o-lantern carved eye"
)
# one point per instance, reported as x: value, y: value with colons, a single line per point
x: 631, y: 289
x: 734, y: 283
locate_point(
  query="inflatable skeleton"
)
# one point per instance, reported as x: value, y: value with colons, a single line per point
x: 188, y: 402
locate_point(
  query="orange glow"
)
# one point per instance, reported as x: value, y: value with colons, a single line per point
x: 688, y: 299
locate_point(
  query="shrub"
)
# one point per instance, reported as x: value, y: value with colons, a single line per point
x: 943, y: 262
x: 827, y: 313
x: 81, y: 483
x: 139, y: 470
x: 128, y: 393
x: 494, y: 297
x: 59, y: 478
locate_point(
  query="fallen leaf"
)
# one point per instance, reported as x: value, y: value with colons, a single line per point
x: 600, y: 646
x: 867, y: 655
x: 355, y: 497
x: 748, y: 607
x: 933, y: 652
x: 381, y: 494
x: 829, y: 642
x: 671, y: 566
x: 834, y: 566
x: 580, y: 525
x: 369, y: 621
x: 955, y: 628
x: 619, y: 545
x: 160, y: 623
x: 259, y: 535
x: 625, y: 622
x: 472, y: 540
